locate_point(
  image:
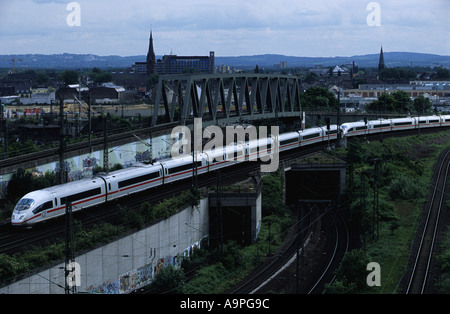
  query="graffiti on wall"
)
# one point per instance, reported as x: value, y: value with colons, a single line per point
x: 82, y: 166
x: 142, y: 276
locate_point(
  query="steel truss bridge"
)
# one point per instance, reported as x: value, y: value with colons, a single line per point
x: 221, y: 98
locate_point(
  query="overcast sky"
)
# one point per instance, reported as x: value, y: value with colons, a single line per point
x: 229, y: 27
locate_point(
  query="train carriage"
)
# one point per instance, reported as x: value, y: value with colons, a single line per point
x: 133, y: 179
x: 47, y: 203
x: 288, y: 141
x: 378, y: 126
x: 445, y: 120
x: 330, y: 134
x: 51, y: 202
x: 311, y: 136
x: 403, y: 124
x: 354, y: 128
x: 429, y: 122
x: 182, y: 167
x: 216, y: 158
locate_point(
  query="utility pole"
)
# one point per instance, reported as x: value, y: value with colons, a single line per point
x: 105, y: 144
x: 338, y: 122
x: 219, y: 215
x: 376, y: 199
x: 299, y: 239
x: 61, y: 178
x: 70, y: 258
x: 90, y: 124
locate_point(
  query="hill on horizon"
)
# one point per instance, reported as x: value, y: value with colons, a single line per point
x: 79, y: 61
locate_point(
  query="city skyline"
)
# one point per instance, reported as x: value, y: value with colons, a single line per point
x: 232, y: 28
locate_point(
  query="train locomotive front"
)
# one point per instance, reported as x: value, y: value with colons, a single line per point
x: 29, y: 207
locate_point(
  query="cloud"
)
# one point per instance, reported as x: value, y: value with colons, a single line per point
x: 232, y: 27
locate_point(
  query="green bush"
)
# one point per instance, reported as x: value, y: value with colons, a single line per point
x: 404, y: 188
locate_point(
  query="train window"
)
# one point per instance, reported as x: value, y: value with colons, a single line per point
x: 310, y: 136
x: 289, y: 141
x: 184, y: 167
x: 139, y: 179
x: 80, y: 196
x: 43, y: 207
x: 403, y: 123
x: 381, y: 125
x: 109, y: 185
x: 24, y: 204
x: 434, y: 121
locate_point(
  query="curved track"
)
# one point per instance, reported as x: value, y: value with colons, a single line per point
x: 15, y: 239
x: 341, y: 245
x: 312, y: 278
x: 418, y: 279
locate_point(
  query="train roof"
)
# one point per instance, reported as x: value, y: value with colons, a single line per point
x: 288, y: 135
x: 311, y: 130
x: 429, y: 117
x: 135, y: 169
x: 409, y: 119
x: 379, y: 121
x: 181, y: 160
x: 83, y: 183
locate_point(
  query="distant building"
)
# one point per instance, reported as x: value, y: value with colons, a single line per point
x: 148, y: 67
x: 139, y: 67
x: 381, y: 65
x: 151, y: 58
x: 173, y: 64
x: 108, y: 93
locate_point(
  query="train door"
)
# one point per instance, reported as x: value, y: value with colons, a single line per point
x: 53, y: 212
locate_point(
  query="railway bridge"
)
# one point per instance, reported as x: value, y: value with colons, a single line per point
x: 220, y: 98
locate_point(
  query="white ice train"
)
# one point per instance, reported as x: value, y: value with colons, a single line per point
x: 388, y: 125
x: 50, y: 202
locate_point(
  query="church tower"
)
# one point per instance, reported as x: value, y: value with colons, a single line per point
x: 151, y: 58
x: 381, y: 62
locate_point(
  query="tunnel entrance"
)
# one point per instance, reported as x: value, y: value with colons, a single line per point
x: 315, y: 181
x: 235, y: 213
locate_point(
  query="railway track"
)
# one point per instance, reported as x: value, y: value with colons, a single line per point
x: 281, y: 260
x: 97, y: 141
x: 418, y: 280
x: 289, y: 259
x: 15, y: 239
x: 339, y: 245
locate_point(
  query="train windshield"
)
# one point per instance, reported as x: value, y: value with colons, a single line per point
x: 24, y: 204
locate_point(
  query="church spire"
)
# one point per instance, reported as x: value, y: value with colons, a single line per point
x: 381, y: 61
x: 151, y: 58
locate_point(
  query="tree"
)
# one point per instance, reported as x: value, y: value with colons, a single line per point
x: 318, y: 97
x: 69, y: 77
x: 443, y: 74
x: 99, y: 76
x: 311, y: 77
x: 152, y: 80
x: 20, y: 184
x: 168, y: 280
x: 23, y: 182
x: 42, y: 79
x: 403, y: 102
x: 351, y: 274
x: 422, y: 105
x: 398, y: 101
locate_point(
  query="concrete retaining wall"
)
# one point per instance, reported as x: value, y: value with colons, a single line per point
x: 129, y: 263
